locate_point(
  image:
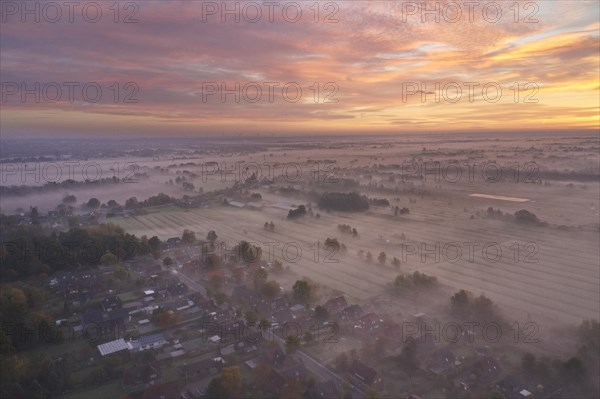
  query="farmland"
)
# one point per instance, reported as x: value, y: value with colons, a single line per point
x: 541, y: 271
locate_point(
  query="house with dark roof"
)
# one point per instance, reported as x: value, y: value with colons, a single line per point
x: 279, y: 304
x: 351, y: 313
x: 364, y: 376
x: 113, y: 322
x: 335, y: 305
x: 173, y: 242
x: 440, y: 361
x: 480, y: 374
x: 198, y: 370
x: 282, y: 316
x: 111, y: 303
x: 370, y: 322
x: 509, y: 386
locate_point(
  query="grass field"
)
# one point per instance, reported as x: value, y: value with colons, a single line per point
x: 553, y: 273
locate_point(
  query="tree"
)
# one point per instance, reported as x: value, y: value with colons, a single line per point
x: 292, y: 344
x: 496, y: 394
x: 573, y: 370
x: 294, y: 389
x: 112, y: 204
x: 262, y: 374
x: 354, y: 232
x: 296, y: 213
x: 301, y: 291
x: 259, y: 278
x: 69, y: 199
x: 332, y: 243
x: 131, y: 203
x: 372, y: 394
x: 34, y: 214
x: 270, y: 289
x: 108, y: 258
x: 528, y: 363
x: 13, y: 305
x: 167, y: 261
x: 93, y: 203
x: 188, y: 236
x: 251, y: 317
x: 341, y: 362
x: 482, y: 306
x: 346, y: 391
x: 277, y: 267
x: 369, y: 257
x: 524, y: 216
x: 232, y: 381
x: 248, y: 252
x: 396, y: 262
x: 154, y: 243
x: 382, y: 258
x: 346, y: 202
x: 212, y: 236
x: 216, y: 390
x: 263, y: 324
x: 216, y: 279
x: 6, y: 346
x: 459, y: 302
x: 408, y: 357
x: 321, y: 313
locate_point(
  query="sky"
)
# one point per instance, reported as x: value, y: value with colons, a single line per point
x: 160, y: 68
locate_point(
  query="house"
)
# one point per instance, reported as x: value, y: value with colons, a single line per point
x: 369, y: 323
x: 140, y: 376
x: 96, y: 322
x: 508, y: 386
x: 111, y: 347
x: 199, y: 369
x: 440, y: 361
x: 274, y: 357
x: 255, y: 205
x: 173, y: 242
x: 335, y: 305
x: 351, y: 313
x: 364, y: 376
x: 151, y: 341
x: 278, y: 304
x: 236, y: 204
x: 282, y: 316
x: 298, y: 310
x: 111, y: 303
x: 479, y: 374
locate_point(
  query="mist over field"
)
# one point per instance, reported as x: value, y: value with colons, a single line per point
x: 300, y: 200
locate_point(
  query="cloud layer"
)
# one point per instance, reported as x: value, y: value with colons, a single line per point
x: 361, y: 66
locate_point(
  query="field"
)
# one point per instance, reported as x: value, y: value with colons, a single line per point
x: 534, y: 271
